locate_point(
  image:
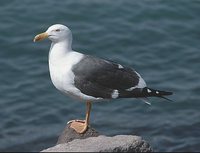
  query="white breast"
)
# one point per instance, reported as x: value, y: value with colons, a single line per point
x: 60, y: 70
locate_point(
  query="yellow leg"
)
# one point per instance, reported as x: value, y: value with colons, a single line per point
x: 80, y: 126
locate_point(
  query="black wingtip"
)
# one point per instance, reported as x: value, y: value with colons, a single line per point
x: 167, y: 99
x: 163, y: 93
x: 167, y: 93
x: 156, y: 93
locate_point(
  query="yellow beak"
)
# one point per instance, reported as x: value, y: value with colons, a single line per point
x: 40, y: 36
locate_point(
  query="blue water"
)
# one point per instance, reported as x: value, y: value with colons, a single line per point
x: 160, y: 39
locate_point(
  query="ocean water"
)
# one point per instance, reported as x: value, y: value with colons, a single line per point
x: 160, y: 39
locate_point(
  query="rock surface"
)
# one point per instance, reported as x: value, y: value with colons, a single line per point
x: 91, y: 141
x: 119, y: 143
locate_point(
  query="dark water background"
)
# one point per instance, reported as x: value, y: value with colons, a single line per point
x: 160, y: 39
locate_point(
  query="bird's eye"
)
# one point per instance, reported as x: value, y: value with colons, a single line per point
x: 57, y: 30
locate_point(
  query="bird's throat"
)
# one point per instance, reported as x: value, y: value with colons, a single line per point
x: 59, y: 50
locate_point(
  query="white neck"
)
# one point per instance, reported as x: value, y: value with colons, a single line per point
x: 59, y: 50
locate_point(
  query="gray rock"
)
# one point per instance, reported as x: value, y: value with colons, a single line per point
x: 119, y: 143
x: 91, y: 141
x: 70, y: 134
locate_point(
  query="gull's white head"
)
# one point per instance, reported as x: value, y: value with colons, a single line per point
x: 56, y: 33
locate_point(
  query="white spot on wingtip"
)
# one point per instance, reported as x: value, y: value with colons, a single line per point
x: 115, y: 94
x: 120, y: 66
x: 148, y: 90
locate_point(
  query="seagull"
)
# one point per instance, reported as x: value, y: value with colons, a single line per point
x: 88, y: 78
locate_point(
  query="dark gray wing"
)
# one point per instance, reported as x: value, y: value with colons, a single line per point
x: 98, y: 77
